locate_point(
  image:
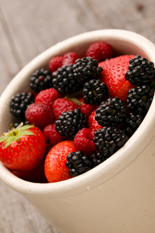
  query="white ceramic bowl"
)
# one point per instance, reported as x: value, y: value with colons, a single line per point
x: 119, y: 194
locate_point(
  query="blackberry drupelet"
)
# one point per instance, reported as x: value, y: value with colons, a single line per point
x: 78, y: 163
x: 19, y: 104
x: 98, y: 158
x: 141, y: 71
x: 109, y: 139
x: 132, y: 122
x: 69, y: 123
x: 94, y: 92
x: 139, y: 99
x: 40, y: 80
x: 111, y: 112
x: 71, y: 78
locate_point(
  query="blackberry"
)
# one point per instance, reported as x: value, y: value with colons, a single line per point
x: 139, y: 99
x: 69, y: 123
x: 132, y: 122
x: 98, y: 158
x: 40, y: 80
x: 19, y: 104
x: 141, y: 71
x: 71, y: 78
x: 78, y: 163
x: 109, y: 139
x: 94, y: 92
x: 111, y: 112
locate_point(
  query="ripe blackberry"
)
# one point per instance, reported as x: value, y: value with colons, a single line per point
x: 19, y: 104
x: 141, y: 71
x: 111, y: 112
x: 132, y: 122
x: 98, y: 158
x: 139, y: 99
x: 71, y: 78
x: 109, y: 139
x: 40, y: 80
x: 94, y: 92
x: 78, y: 163
x: 69, y: 123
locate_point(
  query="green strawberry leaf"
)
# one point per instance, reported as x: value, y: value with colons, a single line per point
x: 75, y: 100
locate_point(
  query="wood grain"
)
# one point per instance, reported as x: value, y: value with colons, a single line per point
x: 29, y: 27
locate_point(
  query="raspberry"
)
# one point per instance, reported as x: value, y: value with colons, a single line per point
x: 100, y: 51
x: 40, y: 80
x: 51, y: 135
x: 40, y: 115
x: 92, y: 123
x: 69, y: 58
x: 83, y: 141
x: 140, y: 98
x: 63, y: 105
x: 78, y: 163
x: 86, y: 108
x: 55, y: 63
x: 109, y: 139
x: 47, y: 97
x: 19, y: 104
x: 111, y: 112
x: 94, y: 92
x: 69, y: 123
x: 141, y: 71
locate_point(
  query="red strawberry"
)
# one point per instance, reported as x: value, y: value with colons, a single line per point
x: 51, y: 135
x: 55, y: 63
x: 64, y: 105
x: 55, y: 168
x: 83, y: 141
x: 113, y: 75
x: 47, y: 96
x: 99, y: 51
x: 92, y: 123
x: 69, y: 58
x: 40, y: 115
x: 23, y: 148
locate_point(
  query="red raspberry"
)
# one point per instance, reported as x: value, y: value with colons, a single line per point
x: 51, y: 135
x: 47, y: 97
x: 99, y: 51
x: 92, y: 123
x: 55, y: 63
x: 83, y: 141
x: 86, y: 108
x: 69, y: 58
x: 40, y: 115
x: 63, y: 105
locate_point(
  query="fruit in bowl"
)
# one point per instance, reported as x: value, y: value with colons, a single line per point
x: 107, y: 158
x: 56, y: 112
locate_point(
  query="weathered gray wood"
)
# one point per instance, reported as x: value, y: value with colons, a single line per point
x: 29, y: 27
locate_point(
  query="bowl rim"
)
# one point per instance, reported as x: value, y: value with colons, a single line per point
x: 113, y: 165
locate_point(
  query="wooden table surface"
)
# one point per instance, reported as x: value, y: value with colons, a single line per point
x: 29, y: 27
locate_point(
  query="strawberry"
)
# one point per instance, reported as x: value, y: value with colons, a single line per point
x: 55, y: 63
x: 83, y: 141
x: 69, y: 58
x: 113, y: 75
x: 86, y: 108
x: 23, y: 148
x: 92, y: 123
x: 40, y: 115
x: 47, y: 96
x: 99, y: 51
x: 64, y: 105
x: 55, y: 162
